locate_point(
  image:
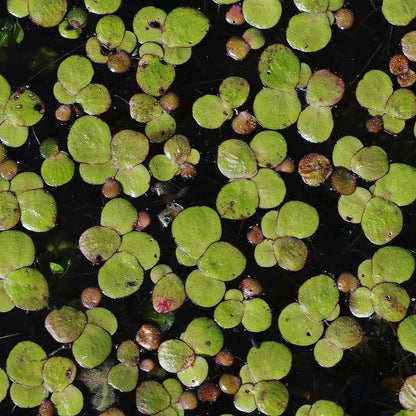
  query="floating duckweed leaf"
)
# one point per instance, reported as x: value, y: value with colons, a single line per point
x: 66, y: 324
x: 382, y: 221
x: 25, y: 181
x: 24, y: 363
x: 144, y: 108
x: 345, y: 332
x: 177, y: 149
x: 98, y: 244
x: 210, y: 112
x: 119, y: 215
x: 27, y: 288
x: 237, y: 48
x: 92, y: 347
x: 277, y: 355
x: 234, y: 91
x: 262, y: 14
x: 222, y: 261
x: 269, y: 224
x: 151, y: 397
x: 203, y: 223
x: 304, y: 75
x: 204, y: 336
x: 203, y: 290
x: 128, y: 353
x: 68, y: 402
x: 398, y: 185
x: 103, y: 318
x: 58, y: 373
x: 161, y: 128
x: 94, y: 51
x: 123, y: 378
x: 314, y: 169
x: 174, y: 355
x: 392, y: 264
x: 408, y: 44
x: 89, y: 140
x: 13, y: 136
x: 151, y: 48
x: 229, y: 314
x: 308, y: 32
x: 365, y: 274
x: 4, y: 384
x: 407, y: 395
x: 175, y: 55
x: 351, y: 207
x: 264, y: 254
x: 6, y: 305
x: 153, y: 76
x: 324, y: 88
x: 143, y: 246
x: 24, y: 108
x: 344, y: 150
x: 75, y: 73
x: 406, y: 333
x: 168, y: 294
x: 238, y: 199
x: 269, y: 147
x: 276, y: 109
x: 129, y: 42
x: 18, y: 8
x: 148, y: 24
x: 393, y: 125
x: 244, y: 398
x: 402, y: 104
x: 297, y: 328
x: 315, y: 124
x: 297, y: 219
x: 9, y: 210
x: 62, y: 95
x: 58, y: 169
x: 110, y: 31
x: 38, y: 210
x: 325, y: 407
x: 27, y: 397
x: 162, y: 168
x: 47, y: 14
x: 235, y: 159
x: 399, y: 13
x: 94, y: 98
x: 327, y: 354
x: 185, y: 27
x: 271, y: 188
x: 390, y: 301
x: 374, y: 90
x: 279, y: 67
x: 303, y: 410
x: 120, y: 276
x: 135, y: 181
x: 159, y: 271
x: 312, y: 6
x: 254, y: 38
x: 290, y: 253
x: 318, y: 297
x: 128, y: 148
x: 196, y: 374
x: 360, y: 303
x: 271, y: 397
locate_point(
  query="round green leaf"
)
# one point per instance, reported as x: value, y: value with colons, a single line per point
x: 94, y: 98
x: 244, y: 398
x: 58, y: 169
x: 210, y: 112
x: 103, y: 318
x: 402, y: 104
x: 27, y: 288
x: 257, y: 315
x: 98, y: 244
x: 68, y: 402
x: 120, y: 276
x: 290, y: 253
x: 65, y: 325
x: 344, y: 150
x: 89, y: 140
x: 271, y: 188
x: 135, y: 181
x: 144, y: 108
x: 229, y: 314
x: 406, y: 333
x: 27, y: 397
x: 161, y: 128
x: 327, y: 354
x: 325, y: 407
x: 390, y: 301
x: 297, y: 219
x: 315, y: 124
x: 271, y: 397
x: 234, y: 91
x: 162, y: 168
x: 264, y: 254
x: 47, y: 14
x: 24, y: 108
x: 96, y: 174
x: 123, y: 378
x: 196, y: 374
x: 9, y: 210
x: 4, y: 384
x: 324, y: 88
x: 58, y: 373
x: 174, y: 355
x: 75, y: 73
x: 110, y: 31
x: 203, y: 290
x: 92, y: 347
x: 168, y: 294
x: 345, y: 332
x: 13, y: 136
x: 351, y: 207
x: 269, y: 147
x: 151, y: 397
x: 400, y: 12
x: 148, y: 24
x: 119, y: 215
x: 262, y: 14
x: 360, y: 303
x: 370, y: 163
x: 297, y: 328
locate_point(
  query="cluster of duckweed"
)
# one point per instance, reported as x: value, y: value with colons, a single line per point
x: 171, y: 373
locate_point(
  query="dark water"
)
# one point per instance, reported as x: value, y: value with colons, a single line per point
x: 363, y: 383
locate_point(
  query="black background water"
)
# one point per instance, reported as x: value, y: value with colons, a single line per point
x: 365, y: 381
